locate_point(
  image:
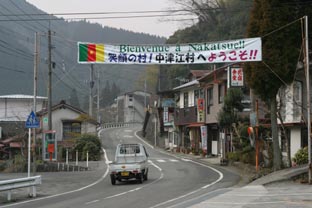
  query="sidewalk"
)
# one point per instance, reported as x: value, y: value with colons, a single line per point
x: 55, y: 182
x: 275, y: 190
x: 248, y: 173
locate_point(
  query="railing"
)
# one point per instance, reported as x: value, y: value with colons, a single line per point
x: 9, y: 185
x: 118, y: 125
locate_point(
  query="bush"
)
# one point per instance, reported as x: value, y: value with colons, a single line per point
x: 233, y: 156
x: 88, y: 143
x: 301, y: 156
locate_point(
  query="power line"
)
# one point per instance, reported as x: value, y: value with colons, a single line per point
x: 12, y: 2
x: 10, y: 69
x: 93, y: 18
x: 4, y: 7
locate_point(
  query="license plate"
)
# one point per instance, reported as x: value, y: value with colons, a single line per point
x: 124, y: 173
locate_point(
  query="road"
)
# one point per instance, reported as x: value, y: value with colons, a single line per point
x: 172, y: 181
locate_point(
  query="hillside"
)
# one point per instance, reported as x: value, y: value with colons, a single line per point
x: 17, y: 49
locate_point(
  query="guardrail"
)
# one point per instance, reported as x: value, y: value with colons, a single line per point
x: 117, y: 125
x: 9, y: 185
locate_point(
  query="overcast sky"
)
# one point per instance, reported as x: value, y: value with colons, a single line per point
x: 152, y: 25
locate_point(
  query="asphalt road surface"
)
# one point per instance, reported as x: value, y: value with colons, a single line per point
x: 172, y: 181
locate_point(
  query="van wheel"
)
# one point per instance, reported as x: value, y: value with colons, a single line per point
x: 113, y: 179
x: 141, y: 178
x: 146, y: 175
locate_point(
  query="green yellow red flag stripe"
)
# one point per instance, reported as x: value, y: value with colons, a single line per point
x: 91, y: 52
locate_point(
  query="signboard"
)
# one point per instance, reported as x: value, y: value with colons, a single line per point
x: 50, y: 148
x: 45, y: 120
x: 241, y: 50
x: 32, y: 121
x: 200, y: 110
x: 203, y: 131
x: 166, y: 115
x: 236, y: 77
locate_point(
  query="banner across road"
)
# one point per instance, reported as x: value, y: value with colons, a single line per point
x: 242, y: 50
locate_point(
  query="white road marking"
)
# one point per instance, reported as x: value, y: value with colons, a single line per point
x: 68, y: 192
x: 155, y: 165
x: 173, y: 160
x: 161, y: 161
x: 186, y: 160
x: 128, y: 136
x: 143, y: 140
x: 91, y: 202
x: 141, y: 187
x: 128, y: 130
x: 193, y: 192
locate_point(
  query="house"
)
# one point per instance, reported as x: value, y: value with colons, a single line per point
x: 14, y: 110
x: 292, y: 102
x: 68, y: 122
x: 188, y: 118
x: 198, y: 103
x: 166, y: 119
x: 214, y: 86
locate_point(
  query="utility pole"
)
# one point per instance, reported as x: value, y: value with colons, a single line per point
x: 91, y: 86
x: 98, y: 97
x: 36, y: 64
x: 50, y: 82
x: 144, y: 94
x: 306, y: 60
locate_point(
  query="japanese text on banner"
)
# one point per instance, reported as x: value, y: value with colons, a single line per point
x: 243, y: 50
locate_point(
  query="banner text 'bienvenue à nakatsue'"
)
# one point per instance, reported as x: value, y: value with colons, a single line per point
x: 243, y: 50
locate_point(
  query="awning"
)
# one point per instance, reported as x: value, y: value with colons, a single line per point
x: 196, y: 125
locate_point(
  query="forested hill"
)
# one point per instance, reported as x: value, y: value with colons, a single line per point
x: 17, y: 31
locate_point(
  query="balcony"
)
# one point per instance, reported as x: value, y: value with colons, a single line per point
x: 183, y: 116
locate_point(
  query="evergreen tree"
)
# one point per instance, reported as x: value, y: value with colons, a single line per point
x: 217, y: 20
x: 150, y: 78
x: 114, y: 91
x: 280, y: 53
x: 105, y: 96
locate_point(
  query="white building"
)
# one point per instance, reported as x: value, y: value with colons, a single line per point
x: 18, y: 107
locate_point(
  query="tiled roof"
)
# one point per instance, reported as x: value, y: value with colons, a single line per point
x: 191, y: 83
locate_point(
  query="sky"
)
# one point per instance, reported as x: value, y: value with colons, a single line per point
x: 161, y: 26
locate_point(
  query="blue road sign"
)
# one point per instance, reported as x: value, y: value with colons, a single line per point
x: 32, y: 121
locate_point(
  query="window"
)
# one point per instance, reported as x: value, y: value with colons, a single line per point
x: 201, y: 93
x: 186, y: 101
x: 196, y: 96
x: 71, y: 129
x: 209, y: 99
x: 129, y: 149
x: 297, y: 91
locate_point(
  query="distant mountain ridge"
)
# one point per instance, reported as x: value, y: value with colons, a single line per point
x: 17, y: 52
